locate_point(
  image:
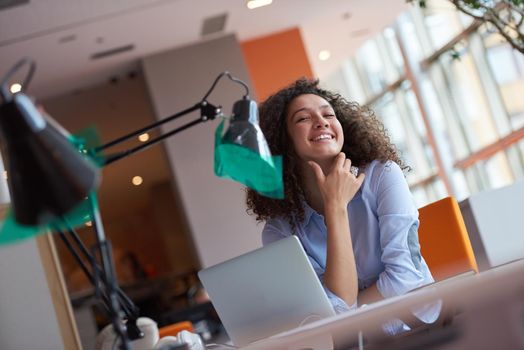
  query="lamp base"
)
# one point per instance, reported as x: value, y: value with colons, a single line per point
x: 107, y: 337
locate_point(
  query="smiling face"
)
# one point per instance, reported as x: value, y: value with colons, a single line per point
x: 314, y: 128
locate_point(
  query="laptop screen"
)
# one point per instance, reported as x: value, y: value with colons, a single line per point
x: 266, y: 291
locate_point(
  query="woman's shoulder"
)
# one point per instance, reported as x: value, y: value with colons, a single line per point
x: 378, y: 171
x: 275, y: 229
x: 277, y: 223
x: 380, y: 166
x: 376, y: 168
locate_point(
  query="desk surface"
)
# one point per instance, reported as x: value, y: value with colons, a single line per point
x: 478, y: 296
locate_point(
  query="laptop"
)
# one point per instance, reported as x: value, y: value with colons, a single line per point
x: 266, y: 291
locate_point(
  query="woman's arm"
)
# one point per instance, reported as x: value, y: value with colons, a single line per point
x: 404, y: 268
x: 341, y: 273
x: 337, y: 188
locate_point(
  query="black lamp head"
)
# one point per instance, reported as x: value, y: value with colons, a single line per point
x: 244, y: 129
x: 47, y: 176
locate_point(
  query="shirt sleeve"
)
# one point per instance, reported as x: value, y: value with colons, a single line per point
x: 275, y: 230
x: 404, y: 268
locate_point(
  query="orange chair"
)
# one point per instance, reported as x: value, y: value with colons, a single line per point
x: 444, y: 241
x: 174, y: 328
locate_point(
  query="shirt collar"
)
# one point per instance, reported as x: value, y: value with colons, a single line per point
x: 308, y: 212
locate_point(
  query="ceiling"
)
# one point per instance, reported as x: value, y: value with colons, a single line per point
x: 63, y: 35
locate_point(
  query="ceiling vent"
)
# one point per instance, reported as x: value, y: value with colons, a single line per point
x: 359, y: 33
x: 215, y: 24
x: 67, y: 38
x: 5, y: 4
x: 112, y: 52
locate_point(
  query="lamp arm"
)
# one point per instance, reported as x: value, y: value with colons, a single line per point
x: 227, y: 74
x: 109, y: 275
x: 114, y: 157
x: 208, y: 112
x: 146, y: 128
x: 131, y: 310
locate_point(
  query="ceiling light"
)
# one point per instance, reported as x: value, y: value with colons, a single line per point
x: 137, y: 180
x: 253, y: 4
x: 15, y: 88
x: 324, y: 55
x: 346, y: 16
x: 143, y: 137
x: 89, y: 224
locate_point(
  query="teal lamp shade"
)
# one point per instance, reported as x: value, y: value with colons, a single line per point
x: 242, y: 153
x: 47, y: 176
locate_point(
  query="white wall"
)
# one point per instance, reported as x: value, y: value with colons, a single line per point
x: 27, y: 315
x: 214, y: 207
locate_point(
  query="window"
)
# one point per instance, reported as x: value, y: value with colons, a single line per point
x: 458, y: 123
x: 507, y: 67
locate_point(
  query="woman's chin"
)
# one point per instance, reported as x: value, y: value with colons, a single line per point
x: 323, y: 157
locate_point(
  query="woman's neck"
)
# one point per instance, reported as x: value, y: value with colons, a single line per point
x: 312, y: 192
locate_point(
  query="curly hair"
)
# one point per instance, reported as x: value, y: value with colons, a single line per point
x: 365, y: 140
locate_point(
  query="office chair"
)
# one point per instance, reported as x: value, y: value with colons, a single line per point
x: 444, y: 241
x: 175, y: 328
x: 446, y: 248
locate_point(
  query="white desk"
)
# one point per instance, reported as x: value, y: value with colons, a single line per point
x: 492, y: 317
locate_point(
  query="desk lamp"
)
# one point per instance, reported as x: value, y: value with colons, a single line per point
x: 52, y: 179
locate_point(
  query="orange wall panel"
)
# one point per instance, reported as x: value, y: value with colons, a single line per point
x: 275, y: 61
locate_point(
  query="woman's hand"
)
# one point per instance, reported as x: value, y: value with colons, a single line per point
x: 339, y: 186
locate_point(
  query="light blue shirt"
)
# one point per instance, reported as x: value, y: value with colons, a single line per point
x: 383, y: 221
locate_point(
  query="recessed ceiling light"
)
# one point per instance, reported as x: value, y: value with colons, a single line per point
x: 324, y: 55
x: 143, y: 137
x: 253, y: 4
x: 15, y: 88
x: 89, y: 224
x: 346, y: 16
x: 137, y: 180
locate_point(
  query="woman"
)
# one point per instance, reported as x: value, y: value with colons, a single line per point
x: 359, y: 230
